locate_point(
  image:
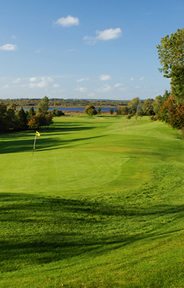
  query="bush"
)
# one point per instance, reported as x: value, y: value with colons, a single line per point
x: 90, y: 110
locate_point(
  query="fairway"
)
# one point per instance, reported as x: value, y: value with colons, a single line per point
x: 99, y: 203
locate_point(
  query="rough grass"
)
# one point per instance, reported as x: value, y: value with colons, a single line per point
x: 99, y: 204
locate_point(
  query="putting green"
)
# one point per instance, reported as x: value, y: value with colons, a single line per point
x: 59, y: 170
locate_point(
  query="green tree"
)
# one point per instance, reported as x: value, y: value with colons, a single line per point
x: 30, y: 113
x: 22, y: 118
x: 133, y: 105
x: 98, y: 110
x: 147, y: 107
x: 90, y: 110
x: 43, y: 106
x: 171, y: 56
x: 111, y: 111
x: 124, y: 110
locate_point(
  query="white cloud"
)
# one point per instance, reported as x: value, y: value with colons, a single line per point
x: 118, y: 85
x: 131, y: 79
x: 142, y: 78
x: 103, y: 89
x: 81, y: 89
x: 105, y: 35
x: 108, y: 34
x: 137, y: 87
x: 13, y: 37
x: 40, y: 83
x: 8, y: 47
x: 67, y: 22
x: 5, y: 86
x: 32, y: 79
x: 56, y: 85
x: 82, y: 79
x: 105, y: 77
x: 17, y: 80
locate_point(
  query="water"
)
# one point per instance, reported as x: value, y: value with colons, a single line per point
x: 103, y: 109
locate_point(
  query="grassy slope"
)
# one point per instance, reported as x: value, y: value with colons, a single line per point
x: 99, y: 204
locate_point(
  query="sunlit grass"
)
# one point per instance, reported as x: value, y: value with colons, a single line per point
x: 99, y: 204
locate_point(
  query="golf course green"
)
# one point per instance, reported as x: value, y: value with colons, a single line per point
x: 98, y: 203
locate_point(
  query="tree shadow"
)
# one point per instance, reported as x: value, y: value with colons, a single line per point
x: 42, y: 144
x: 38, y: 230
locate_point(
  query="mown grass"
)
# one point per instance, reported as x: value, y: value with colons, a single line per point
x: 99, y: 204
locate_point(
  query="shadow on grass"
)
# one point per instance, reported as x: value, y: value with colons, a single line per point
x: 42, y: 144
x: 38, y: 230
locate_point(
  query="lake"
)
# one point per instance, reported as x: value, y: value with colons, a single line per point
x: 103, y: 109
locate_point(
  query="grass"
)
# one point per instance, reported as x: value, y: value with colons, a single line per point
x: 99, y: 204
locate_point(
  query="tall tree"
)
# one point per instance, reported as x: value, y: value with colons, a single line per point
x: 43, y: 106
x: 147, y: 107
x: 22, y: 118
x: 171, y: 56
x: 133, y: 105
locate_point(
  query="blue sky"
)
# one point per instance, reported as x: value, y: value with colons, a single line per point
x: 83, y: 48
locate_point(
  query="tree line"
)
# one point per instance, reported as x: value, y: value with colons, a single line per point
x: 56, y: 102
x: 16, y: 120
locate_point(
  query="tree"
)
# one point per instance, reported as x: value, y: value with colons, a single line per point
x: 90, y: 110
x: 33, y: 122
x: 22, y: 118
x: 99, y: 111
x: 159, y: 100
x: 124, y: 110
x: 49, y: 117
x: 133, y: 105
x: 147, y: 107
x: 43, y: 106
x: 30, y: 113
x: 171, y: 56
x: 118, y: 111
x: 172, y: 113
x: 111, y: 111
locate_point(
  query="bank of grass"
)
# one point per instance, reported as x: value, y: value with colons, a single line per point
x: 99, y: 204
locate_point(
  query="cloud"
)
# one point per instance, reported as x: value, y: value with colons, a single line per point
x: 108, y: 34
x: 82, y: 79
x: 137, y: 87
x: 81, y: 89
x: 67, y: 22
x: 5, y: 86
x: 17, y: 80
x: 118, y: 85
x: 13, y: 37
x: 104, y: 35
x: 103, y: 89
x: 56, y: 85
x: 142, y: 78
x: 33, y: 79
x: 131, y: 79
x: 8, y: 47
x: 105, y: 77
x: 40, y: 83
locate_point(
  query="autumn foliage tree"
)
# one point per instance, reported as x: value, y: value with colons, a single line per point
x: 172, y: 113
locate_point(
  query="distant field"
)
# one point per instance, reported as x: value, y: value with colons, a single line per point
x: 99, y: 203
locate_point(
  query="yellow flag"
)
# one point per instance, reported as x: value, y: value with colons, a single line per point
x: 37, y: 133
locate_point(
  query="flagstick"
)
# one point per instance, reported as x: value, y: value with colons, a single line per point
x: 34, y: 144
